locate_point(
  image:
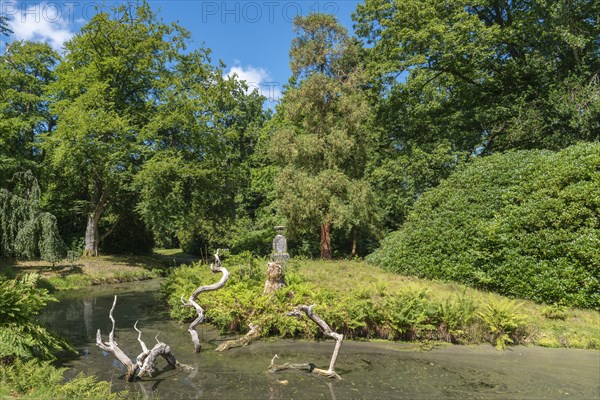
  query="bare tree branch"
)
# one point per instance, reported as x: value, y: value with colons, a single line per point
x: 339, y: 338
x: 191, y: 302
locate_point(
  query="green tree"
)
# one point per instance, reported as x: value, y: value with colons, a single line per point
x: 322, y: 140
x: 193, y: 185
x: 111, y: 82
x: 25, y: 230
x: 485, y: 75
x: 26, y: 69
x: 453, y: 79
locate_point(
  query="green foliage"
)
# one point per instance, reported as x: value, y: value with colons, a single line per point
x: 4, y: 30
x: 485, y: 75
x: 40, y: 380
x: 503, y: 318
x: 25, y: 230
x: 26, y: 68
x: 20, y: 335
x: 362, y: 312
x: 524, y: 224
x: 322, y: 137
x: 554, y: 311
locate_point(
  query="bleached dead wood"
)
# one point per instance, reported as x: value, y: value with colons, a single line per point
x: 339, y: 338
x: 146, y: 361
x: 191, y: 302
x: 112, y: 347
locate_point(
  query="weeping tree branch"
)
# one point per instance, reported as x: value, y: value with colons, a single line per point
x: 339, y: 338
x: 191, y: 302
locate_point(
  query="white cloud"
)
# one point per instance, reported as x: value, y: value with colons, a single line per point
x: 257, y: 78
x: 41, y: 22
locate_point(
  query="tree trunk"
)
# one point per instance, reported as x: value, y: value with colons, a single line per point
x: 354, y: 235
x: 275, y: 278
x: 92, y: 234
x: 326, y: 241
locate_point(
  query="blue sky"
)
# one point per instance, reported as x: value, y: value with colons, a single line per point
x: 251, y: 37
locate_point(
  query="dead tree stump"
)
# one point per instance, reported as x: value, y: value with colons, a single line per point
x: 275, y: 278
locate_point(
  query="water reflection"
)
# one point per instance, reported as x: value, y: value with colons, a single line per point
x: 369, y: 370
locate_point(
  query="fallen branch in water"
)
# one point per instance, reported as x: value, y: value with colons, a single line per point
x: 145, y: 361
x: 191, y: 302
x: 252, y: 334
x: 339, y: 338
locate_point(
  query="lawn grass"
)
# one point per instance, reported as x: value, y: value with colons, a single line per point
x: 87, y: 271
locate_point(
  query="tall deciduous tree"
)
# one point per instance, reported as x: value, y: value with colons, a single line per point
x: 26, y: 68
x: 460, y: 78
x: 487, y: 75
x: 201, y: 138
x: 322, y: 141
x: 110, y: 83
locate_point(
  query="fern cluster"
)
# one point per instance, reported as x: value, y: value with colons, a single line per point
x: 411, y: 313
x: 34, y: 379
x: 20, y: 335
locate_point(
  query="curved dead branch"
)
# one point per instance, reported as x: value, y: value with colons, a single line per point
x: 112, y: 347
x: 339, y: 338
x: 145, y: 361
x: 191, y: 302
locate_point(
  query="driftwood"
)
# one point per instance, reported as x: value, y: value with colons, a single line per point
x: 309, y: 367
x: 275, y: 278
x: 191, y: 302
x: 252, y: 334
x: 339, y: 338
x: 145, y: 362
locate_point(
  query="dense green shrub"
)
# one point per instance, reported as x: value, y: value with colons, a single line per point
x: 524, y: 224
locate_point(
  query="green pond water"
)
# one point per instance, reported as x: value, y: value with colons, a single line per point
x: 369, y: 370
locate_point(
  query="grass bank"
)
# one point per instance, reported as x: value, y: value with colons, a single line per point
x: 365, y: 302
x: 87, y: 271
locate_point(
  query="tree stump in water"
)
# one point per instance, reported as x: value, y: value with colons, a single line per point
x: 275, y: 278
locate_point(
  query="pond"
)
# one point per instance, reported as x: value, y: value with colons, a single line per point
x: 369, y: 370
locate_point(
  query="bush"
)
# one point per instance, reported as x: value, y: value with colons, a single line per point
x: 524, y: 224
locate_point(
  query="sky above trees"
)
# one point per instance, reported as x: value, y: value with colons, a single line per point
x: 251, y: 37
